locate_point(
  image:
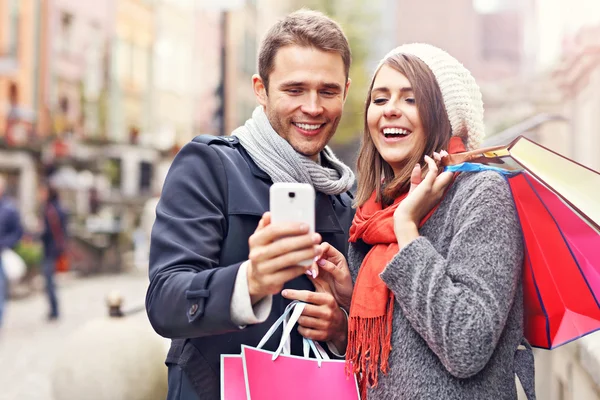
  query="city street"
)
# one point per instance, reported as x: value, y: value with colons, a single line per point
x: 29, y: 344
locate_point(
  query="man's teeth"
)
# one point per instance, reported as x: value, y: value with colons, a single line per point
x: 395, y: 131
x: 308, y: 127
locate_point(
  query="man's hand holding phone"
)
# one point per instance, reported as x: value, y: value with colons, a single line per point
x: 276, y: 250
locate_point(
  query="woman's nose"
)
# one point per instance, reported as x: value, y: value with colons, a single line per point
x: 392, y: 110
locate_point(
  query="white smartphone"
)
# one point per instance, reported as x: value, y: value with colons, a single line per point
x: 293, y: 202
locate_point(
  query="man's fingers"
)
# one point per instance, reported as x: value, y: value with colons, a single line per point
x: 274, y: 282
x: 264, y: 221
x: 284, y: 246
x: 288, y: 260
x: 272, y: 232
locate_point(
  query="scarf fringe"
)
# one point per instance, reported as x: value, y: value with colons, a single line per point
x: 369, y: 341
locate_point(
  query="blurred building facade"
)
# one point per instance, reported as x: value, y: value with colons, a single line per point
x: 79, y: 35
x: 130, y: 79
x: 494, y: 44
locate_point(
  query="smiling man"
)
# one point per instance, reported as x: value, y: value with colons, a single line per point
x: 217, y: 264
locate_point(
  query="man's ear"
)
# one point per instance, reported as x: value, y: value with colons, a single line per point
x: 347, y: 89
x: 260, y: 91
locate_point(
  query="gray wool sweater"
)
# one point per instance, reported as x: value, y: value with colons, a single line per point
x: 458, y: 316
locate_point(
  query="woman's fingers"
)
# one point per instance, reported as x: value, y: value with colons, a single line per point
x: 433, y: 171
x: 442, y: 181
x: 415, y: 177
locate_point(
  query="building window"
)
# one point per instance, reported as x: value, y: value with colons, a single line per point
x: 11, y: 30
x: 146, y: 170
x: 113, y: 172
x: 123, y: 61
x: 139, y: 67
x: 66, y: 31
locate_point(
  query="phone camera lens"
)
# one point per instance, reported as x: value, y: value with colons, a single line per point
x: 292, y: 195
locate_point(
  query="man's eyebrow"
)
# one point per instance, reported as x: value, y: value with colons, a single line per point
x: 291, y: 84
x: 327, y: 85
x: 334, y: 86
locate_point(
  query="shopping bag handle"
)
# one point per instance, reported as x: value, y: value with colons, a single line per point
x: 318, y: 350
x: 307, y: 344
x: 276, y: 324
x: 293, y: 311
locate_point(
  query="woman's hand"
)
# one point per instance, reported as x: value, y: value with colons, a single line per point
x: 424, y: 194
x: 334, y: 275
x: 323, y: 318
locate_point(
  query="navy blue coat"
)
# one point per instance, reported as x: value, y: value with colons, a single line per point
x: 54, y: 246
x: 10, y: 224
x: 213, y: 197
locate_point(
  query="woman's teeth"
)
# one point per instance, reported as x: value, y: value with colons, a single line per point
x: 390, y: 132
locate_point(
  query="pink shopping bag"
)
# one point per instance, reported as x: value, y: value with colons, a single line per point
x: 296, y: 378
x: 276, y: 375
x: 233, y: 385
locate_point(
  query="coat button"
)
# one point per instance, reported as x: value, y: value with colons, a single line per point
x: 193, y: 309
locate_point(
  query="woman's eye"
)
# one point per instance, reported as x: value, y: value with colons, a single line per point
x: 379, y: 101
x: 410, y: 100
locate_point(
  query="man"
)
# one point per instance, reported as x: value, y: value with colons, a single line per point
x: 10, y: 234
x: 217, y: 269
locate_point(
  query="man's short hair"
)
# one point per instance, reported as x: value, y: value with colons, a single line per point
x: 305, y: 28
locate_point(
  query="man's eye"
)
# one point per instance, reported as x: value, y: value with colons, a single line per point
x: 294, y: 91
x: 328, y: 94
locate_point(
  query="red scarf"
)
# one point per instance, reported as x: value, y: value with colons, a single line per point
x: 372, y: 307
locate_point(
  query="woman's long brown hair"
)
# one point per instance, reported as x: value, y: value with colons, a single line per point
x: 374, y: 174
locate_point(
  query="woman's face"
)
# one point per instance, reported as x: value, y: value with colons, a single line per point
x: 393, y: 118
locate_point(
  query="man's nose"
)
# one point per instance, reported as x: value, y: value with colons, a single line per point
x: 312, y: 106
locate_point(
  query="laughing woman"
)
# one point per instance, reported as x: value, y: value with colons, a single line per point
x: 437, y: 306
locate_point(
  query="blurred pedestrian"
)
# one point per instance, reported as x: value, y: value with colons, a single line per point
x: 54, y: 240
x: 10, y: 234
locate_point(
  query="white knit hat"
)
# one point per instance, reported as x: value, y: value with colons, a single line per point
x: 462, y: 96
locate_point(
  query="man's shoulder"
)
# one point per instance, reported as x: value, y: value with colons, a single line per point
x: 228, y: 141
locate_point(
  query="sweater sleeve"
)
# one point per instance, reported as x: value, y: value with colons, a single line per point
x: 459, y: 303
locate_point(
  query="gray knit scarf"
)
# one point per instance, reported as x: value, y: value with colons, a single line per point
x: 282, y: 163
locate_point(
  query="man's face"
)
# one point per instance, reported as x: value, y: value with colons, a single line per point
x: 304, y: 103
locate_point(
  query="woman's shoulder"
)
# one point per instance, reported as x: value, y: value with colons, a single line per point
x: 487, y: 188
x: 471, y: 183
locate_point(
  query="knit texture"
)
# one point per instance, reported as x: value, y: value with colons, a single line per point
x: 274, y: 155
x: 460, y: 92
x: 458, y: 317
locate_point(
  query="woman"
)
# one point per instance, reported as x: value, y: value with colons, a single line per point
x: 437, y: 309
